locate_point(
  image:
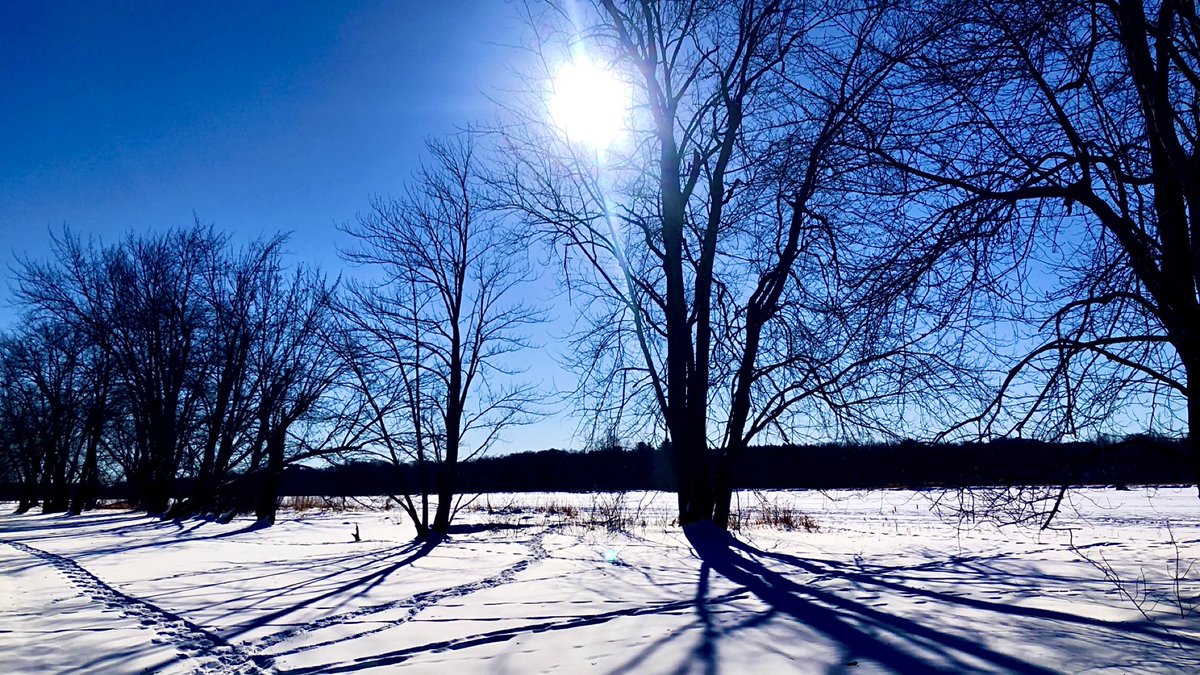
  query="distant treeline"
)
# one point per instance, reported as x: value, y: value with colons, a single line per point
x: 1137, y: 460
x: 1133, y: 461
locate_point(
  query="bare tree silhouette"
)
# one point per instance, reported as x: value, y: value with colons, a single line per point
x: 726, y: 253
x: 1065, y: 134
x: 436, y: 334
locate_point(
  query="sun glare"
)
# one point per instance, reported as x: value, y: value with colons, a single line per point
x: 589, y: 103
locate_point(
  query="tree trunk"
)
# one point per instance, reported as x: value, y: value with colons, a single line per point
x: 161, y: 476
x: 1192, y: 371
x: 202, y: 492
x: 158, y: 494
x: 54, y: 499
x: 723, y: 485
x: 420, y: 524
x: 455, y: 400
x: 739, y: 412
x: 686, y: 395
x: 268, y: 497
x: 29, y: 490
x: 1193, y: 440
x: 212, y: 469
x: 89, y: 478
x: 29, y: 466
x: 694, y: 476
x: 446, y: 484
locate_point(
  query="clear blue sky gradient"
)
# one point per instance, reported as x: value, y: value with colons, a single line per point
x: 257, y: 116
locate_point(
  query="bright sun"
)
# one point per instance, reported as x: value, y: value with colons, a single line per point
x: 588, y: 103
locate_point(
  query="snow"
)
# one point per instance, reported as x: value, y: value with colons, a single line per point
x: 526, y: 585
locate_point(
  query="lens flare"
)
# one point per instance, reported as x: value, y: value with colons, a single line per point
x: 589, y: 103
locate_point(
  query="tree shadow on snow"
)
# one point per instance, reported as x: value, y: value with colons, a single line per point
x: 356, y: 581
x: 859, y: 630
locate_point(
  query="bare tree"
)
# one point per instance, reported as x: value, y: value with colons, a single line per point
x: 267, y: 363
x: 439, y: 330
x: 20, y: 425
x: 139, y: 303
x: 1066, y: 134
x: 294, y: 365
x: 180, y: 359
x: 727, y: 241
x: 233, y: 290
x: 53, y: 414
x: 382, y: 349
x: 49, y: 358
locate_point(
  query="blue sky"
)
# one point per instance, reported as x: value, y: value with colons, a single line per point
x: 257, y: 116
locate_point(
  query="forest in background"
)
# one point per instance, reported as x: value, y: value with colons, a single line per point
x: 1136, y: 460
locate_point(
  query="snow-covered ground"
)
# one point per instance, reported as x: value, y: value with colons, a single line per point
x: 525, y: 586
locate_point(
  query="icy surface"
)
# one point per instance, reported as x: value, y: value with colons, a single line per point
x: 528, y: 585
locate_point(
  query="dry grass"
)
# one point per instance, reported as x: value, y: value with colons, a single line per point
x: 564, y: 511
x: 314, y: 503
x: 552, y: 509
x: 771, y: 514
x: 114, y: 505
x: 784, y: 518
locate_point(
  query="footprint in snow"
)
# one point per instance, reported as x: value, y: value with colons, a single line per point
x: 188, y: 639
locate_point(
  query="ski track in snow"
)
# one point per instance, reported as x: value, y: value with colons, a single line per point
x: 416, y: 604
x: 215, y: 655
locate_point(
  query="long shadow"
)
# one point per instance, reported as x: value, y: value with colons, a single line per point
x: 349, y: 582
x: 286, y: 571
x: 62, y: 526
x: 58, y: 522
x: 182, y: 534
x: 414, y: 604
x: 703, y: 656
x: 705, y: 652
x: 399, y: 656
x: 874, y: 577
x: 358, y: 585
x: 855, y: 627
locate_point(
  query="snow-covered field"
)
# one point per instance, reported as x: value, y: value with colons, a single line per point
x: 524, y: 586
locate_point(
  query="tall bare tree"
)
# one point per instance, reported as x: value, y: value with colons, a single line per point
x: 728, y: 237
x: 441, y: 325
x: 181, y: 359
x: 294, y: 366
x: 1066, y: 132
x: 233, y: 289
